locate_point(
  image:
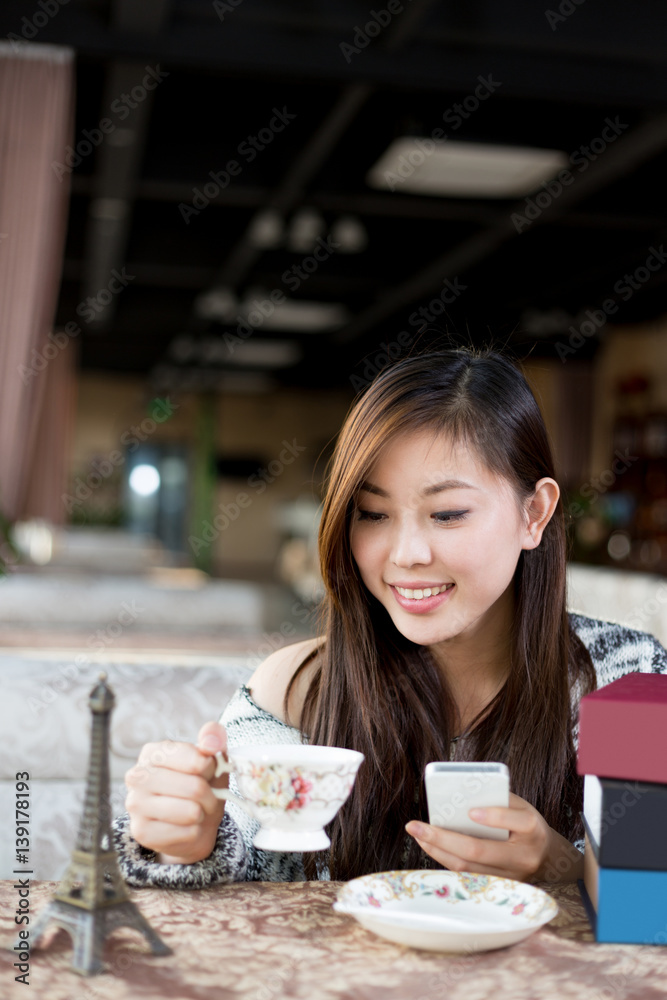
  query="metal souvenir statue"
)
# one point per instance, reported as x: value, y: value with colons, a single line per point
x: 92, y: 899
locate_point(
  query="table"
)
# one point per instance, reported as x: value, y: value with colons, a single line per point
x: 267, y: 940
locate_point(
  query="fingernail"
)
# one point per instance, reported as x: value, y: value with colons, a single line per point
x: 416, y: 829
x: 211, y: 742
x: 478, y: 814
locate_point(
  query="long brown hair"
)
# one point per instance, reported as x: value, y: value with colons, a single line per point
x: 376, y: 691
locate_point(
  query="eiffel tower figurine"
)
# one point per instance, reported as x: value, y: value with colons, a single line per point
x: 92, y: 899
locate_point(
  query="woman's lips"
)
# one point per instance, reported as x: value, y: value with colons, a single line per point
x: 420, y: 605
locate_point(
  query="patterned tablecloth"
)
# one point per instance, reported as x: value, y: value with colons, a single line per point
x: 264, y: 941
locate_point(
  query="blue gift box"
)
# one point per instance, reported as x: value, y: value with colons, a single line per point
x: 625, y: 905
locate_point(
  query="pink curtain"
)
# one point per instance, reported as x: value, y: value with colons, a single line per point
x: 48, y: 477
x: 36, y: 377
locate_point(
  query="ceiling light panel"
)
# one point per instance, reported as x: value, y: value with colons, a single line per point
x: 464, y: 169
x: 258, y: 353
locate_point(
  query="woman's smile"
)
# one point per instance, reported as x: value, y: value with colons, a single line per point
x: 422, y: 600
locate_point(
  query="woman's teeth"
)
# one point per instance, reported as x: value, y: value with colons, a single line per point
x: 416, y: 595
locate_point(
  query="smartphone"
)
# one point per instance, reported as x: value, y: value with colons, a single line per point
x: 454, y: 787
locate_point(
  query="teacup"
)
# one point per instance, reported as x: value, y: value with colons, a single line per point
x: 293, y: 791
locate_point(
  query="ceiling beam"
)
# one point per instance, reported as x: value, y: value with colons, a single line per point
x: 118, y: 161
x: 370, y: 204
x: 292, y: 187
x: 193, y: 278
x: 627, y: 153
x: 289, y: 191
x: 258, y: 50
x: 599, y: 279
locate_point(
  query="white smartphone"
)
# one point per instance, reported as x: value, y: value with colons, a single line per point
x: 454, y: 787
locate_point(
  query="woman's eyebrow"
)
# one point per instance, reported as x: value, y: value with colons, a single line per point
x: 446, y: 484
x: 377, y: 490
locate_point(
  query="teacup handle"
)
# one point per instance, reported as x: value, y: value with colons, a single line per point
x: 223, y: 767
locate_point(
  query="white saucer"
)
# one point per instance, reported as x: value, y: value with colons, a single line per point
x: 275, y: 839
x: 439, y: 910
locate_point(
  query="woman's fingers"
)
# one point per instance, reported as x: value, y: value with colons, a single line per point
x: 172, y: 785
x: 171, y: 756
x: 459, y: 846
x: 212, y: 740
x: 164, y: 837
x: 518, y: 817
x: 169, y: 809
x: 449, y: 851
x: 514, y: 820
x: 518, y: 856
x: 170, y: 800
x: 454, y: 864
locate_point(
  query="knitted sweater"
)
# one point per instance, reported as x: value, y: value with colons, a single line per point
x: 614, y: 649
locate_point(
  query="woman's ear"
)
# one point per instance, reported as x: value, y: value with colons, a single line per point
x: 539, y: 510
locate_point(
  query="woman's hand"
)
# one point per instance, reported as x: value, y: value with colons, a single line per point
x: 533, y: 851
x: 172, y: 808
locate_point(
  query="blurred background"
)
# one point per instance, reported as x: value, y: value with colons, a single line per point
x: 218, y: 221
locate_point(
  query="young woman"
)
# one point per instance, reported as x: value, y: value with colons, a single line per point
x: 445, y: 636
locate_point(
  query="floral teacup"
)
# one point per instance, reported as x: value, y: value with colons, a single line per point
x: 292, y: 791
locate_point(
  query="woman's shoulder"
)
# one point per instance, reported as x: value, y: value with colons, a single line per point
x: 269, y: 682
x: 617, y: 649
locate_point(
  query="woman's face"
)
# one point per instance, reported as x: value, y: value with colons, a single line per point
x: 432, y: 518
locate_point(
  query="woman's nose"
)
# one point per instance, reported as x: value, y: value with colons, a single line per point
x: 410, y: 547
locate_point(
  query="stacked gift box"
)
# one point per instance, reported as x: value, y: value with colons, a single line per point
x: 623, y: 757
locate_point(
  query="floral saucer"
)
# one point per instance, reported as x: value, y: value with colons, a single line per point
x: 439, y: 910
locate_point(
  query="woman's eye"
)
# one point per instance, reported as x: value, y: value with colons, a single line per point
x: 368, y: 515
x: 447, y: 516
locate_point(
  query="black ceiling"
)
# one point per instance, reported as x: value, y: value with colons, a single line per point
x: 225, y: 68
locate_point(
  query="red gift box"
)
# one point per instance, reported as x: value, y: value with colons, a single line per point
x: 623, y: 729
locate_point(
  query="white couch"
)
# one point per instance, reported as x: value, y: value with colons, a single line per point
x: 45, y: 722
x: 638, y: 600
x: 44, y: 713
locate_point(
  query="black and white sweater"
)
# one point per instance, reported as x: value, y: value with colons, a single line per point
x: 614, y: 649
